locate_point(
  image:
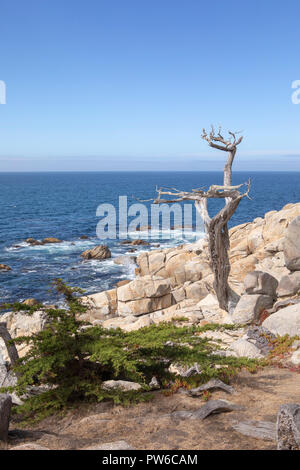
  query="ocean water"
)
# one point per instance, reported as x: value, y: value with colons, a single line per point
x: 63, y: 205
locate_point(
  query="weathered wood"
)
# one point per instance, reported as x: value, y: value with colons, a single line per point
x: 213, y: 384
x: 11, y: 348
x: 211, y: 407
x: 258, y: 429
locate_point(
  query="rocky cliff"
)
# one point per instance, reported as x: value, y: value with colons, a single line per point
x: 178, y: 282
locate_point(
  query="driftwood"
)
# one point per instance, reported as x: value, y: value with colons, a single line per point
x: 211, y: 407
x: 216, y: 228
x: 265, y: 430
x: 11, y: 348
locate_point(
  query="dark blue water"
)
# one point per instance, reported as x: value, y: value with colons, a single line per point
x: 63, y: 205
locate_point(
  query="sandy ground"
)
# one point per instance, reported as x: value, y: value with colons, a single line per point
x: 146, y: 426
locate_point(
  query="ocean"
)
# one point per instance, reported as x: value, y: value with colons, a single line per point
x: 64, y: 205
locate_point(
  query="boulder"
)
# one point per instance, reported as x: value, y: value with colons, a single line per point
x: 295, y: 358
x: 99, y: 252
x: 289, y: 284
x: 284, y: 322
x: 146, y: 287
x: 33, y: 241
x: 142, y: 322
x: 145, y: 305
x: 123, y: 385
x: 144, y: 295
x: 258, y: 282
x: 5, y: 407
x: 50, y: 240
x: 292, y: 245
x: 4, y: 267
x: 100, y: 305
x: 243, y: 348
x: 250, y: 307
x: 117, y: 322
x: 135, y: 242
x: 288, y: 427
x: 261, y: 338
x: 30, y: 302
x: 240, y: 268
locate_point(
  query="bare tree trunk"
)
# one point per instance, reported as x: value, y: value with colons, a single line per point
x: 218, y: 243
x: 11, y: 348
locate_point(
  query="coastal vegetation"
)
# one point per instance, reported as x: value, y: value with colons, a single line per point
x: 69, y: 361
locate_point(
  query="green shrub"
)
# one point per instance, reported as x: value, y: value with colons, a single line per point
x: 70, y: 359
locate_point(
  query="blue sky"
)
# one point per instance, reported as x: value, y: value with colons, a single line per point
x: 128, y: 85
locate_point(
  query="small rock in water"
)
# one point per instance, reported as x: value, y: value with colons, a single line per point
x: 99, y: 252
x: 4, y: 267
x: 288, y: 427
x: 33, y: 241
x: 50, y: 240
x: 135, y: 242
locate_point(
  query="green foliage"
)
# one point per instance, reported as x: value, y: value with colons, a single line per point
x: 21, y: 307
x: 69, y: 359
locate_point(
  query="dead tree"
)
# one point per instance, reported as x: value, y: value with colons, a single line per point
x: 216, y: 228
x: 11, y: 348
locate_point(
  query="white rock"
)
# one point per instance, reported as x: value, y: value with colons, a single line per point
x: 284, y: 322
x: 295, y: 358
x: 243, y: 348
x: 123, y: 385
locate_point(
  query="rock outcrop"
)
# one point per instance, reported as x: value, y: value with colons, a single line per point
x: 284, y: 322
x: 288, y: 427
x: 292, y: 245
x: 99, y: 252
x: 168, y: 281
x: 178, y: 282
x: 45, y: 241
x: 21, y: 324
